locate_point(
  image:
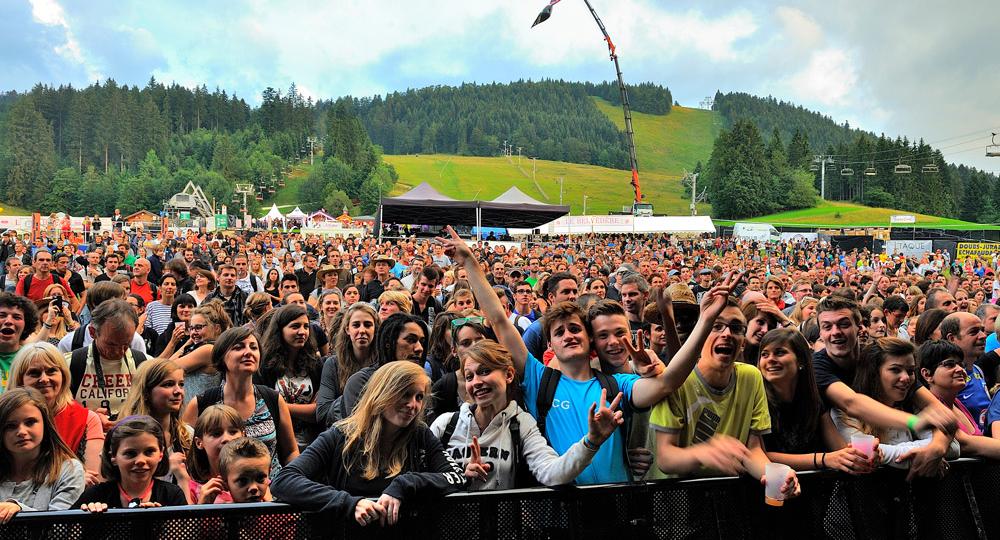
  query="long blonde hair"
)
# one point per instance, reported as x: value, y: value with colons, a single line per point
x: 51, y: 357
x: 364, y: 428
x: 149, y: 375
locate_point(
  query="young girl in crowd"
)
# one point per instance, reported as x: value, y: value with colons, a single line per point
x: 216, y: 427
x: 37, y: 471
x: 382, y: 456
x: 353, y: 351
x: 131, y: 461
x: 42, y: 367
x: 272, y: 285
x: 886, y: 372
x: 176, y: 332
x: 761, y: 319
x: 158, y: 392
x: 509, y: 434
x: 291, y: 365
x: 463, y: 331
x: 801, y: 430
x: 237, y: 357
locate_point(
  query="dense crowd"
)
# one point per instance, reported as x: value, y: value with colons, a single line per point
x: 352, y: 376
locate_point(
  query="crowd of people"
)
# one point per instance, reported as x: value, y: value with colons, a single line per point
x: 346, y: 375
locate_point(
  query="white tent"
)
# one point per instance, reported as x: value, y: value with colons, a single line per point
x: 274, y: 213
x: 613, y: 224
x: 296, y: 214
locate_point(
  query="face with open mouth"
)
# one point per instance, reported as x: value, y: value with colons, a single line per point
x: 487, y: 385
x: 611, y: 332
x: 839, y: 331
x: 11, y: 326
x: 725, y: 345
x: 778, y: 362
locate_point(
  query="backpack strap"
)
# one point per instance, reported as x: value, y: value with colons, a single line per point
x: 78, y: 336
x: 27, y: 284
x: 449, y: 428
x: 609, y: 383
x: 77, y: 368
x: 270, y: 397
x: 546, y: 393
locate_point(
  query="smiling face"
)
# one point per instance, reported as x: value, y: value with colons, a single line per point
x: 23, y: 431
x: 331, y: 305
x: 486, y: 385
x: 404, y: 410
x: 839, y: 332
x: 949, y: 377
x: 44, y: 377
x: 725, y: 341
x: 897, y: 376
x: 757, y: 327
x: 778, y: 363
x: 409, y: 344
x: 611, y: 333
x: 168, y: 396
x: 137, y: 457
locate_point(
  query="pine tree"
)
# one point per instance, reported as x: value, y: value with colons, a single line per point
x: 32, y: 160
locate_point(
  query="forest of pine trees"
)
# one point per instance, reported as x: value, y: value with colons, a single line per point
x: 107, y: 146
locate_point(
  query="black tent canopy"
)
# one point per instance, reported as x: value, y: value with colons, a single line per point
x: 425, y: 205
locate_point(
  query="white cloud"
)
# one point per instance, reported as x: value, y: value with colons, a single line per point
x: 50, y: 13
x: 829, y: 78
x: 801, y: 29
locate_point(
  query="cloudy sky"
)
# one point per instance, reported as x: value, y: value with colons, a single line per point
x: 903, y: 68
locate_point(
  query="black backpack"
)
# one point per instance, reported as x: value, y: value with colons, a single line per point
x: 78, y: 363
x: 522, y: 474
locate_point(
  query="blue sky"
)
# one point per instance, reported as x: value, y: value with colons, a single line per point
x: 903, y: 68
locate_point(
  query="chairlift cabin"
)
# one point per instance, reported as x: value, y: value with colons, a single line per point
x: 902, y: 169
x: 847, y: 171
x: 870, y: 170
x: 260, y: 196
x: 813, y: 167
x: 993, y: 150
x: 271, y: 190
x: 929, y: 168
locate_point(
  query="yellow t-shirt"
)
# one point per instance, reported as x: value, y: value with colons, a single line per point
x: 697, y: 411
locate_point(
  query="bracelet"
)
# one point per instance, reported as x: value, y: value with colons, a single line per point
x: 911, y: 424
x: 815, y: 466
x: 589, y: 445
x: 823, y: 460
x: 46, y: 325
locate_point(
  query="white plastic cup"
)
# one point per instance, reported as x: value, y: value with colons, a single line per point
x: 775, y: 475
x: 864, y: 444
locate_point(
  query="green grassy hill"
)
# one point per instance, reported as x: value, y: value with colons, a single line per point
x: 666, y: 146
x: 842, y: 214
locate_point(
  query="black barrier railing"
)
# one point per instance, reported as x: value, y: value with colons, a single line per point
x: 881, y: 505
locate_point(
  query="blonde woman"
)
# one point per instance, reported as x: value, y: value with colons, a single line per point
x: 391, y: 302
x: 55, y: 314
x: 803, y: 310
x: 207, y: 323
x: 41, y: 366
x: 383, y: 452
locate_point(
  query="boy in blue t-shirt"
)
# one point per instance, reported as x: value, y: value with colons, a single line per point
x: 578, y: 387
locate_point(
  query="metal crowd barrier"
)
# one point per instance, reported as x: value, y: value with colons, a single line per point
x: 835, y: 506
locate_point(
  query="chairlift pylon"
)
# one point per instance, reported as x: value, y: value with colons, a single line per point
x: 813, y: 167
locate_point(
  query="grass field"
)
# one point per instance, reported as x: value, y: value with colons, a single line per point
x: 666, y: 146
x: 288, y: 197
x: 842, y: 214
x: 8, y: 210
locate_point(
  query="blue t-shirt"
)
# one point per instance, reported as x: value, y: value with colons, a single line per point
x: 533, y: 339
x: 566, y: 422
x: 975, y: 396
x: 992, y: 343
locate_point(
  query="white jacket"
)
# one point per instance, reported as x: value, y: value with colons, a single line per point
x: 897, y: 441
x: 495, y: 442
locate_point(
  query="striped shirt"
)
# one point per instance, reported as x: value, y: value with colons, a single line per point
x: 157, y: 316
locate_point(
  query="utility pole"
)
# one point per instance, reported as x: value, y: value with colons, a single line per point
x: 560, y: 180
x: 585, y: 197
x: 312, y: 144
x: 822, y: 160
x: 534, y: 168
x: 518, y: 155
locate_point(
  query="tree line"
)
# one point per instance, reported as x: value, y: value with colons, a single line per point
x: 549, y: 119
x: 112, y: 146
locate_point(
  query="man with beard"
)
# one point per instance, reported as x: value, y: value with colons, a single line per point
x: 839, y: 319
x: 966, y: 330
x: 634, y: 290
x: 18, y: 319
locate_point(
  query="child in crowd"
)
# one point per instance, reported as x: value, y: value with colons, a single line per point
x: 245, y: 467
x: 216, y: 427
x: 37, y: 470
x: 131, y: 461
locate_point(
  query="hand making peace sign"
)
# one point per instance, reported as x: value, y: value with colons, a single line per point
x: 645, y: 361
x: 476, y: 469
x: 604, y: 420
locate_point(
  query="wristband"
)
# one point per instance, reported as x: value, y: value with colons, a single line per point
x: 589, y: 445
x: 46, y: 325
x: 823, y: 460
x: 815, y: 466
x: 911, y: 424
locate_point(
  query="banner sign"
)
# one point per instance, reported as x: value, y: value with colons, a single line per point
x: 902, y: 218
x: 976, y: 249
x: 909, y: 248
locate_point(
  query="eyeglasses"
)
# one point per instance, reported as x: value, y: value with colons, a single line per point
x: 460, y: 322
x: 523, y: 291
x: 197, y: 327
x: 951, y: 363
x: 736, y: 328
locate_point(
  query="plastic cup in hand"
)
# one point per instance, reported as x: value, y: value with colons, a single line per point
x: 775, y: 475
x: 864, y: 444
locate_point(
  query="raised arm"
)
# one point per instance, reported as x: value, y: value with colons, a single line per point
x: 649, y: 391
x: 506, y: 333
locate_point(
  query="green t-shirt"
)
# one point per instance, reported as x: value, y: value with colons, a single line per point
x: 697, y: 411
x: 6, y: 359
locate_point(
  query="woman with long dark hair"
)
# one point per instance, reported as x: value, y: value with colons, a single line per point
x: 176, y: 332
x: 290, y: 364
x: 354, y: 347
x: 802, y: 434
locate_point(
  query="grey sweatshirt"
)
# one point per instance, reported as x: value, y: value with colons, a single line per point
x: 36, y: 498
x: 495, y: 442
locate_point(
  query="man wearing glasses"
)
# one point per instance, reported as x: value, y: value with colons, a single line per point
x: 522, y: 315
x: 800, y: 289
